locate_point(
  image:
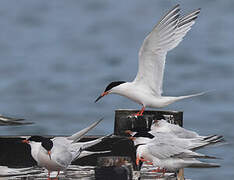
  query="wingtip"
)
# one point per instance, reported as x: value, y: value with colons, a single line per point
x: 176, y: 6
x: 101, y: 119
x: 197, y: 11
x: 212, y: 157
x: 96, y: 123
x: 107, y: 136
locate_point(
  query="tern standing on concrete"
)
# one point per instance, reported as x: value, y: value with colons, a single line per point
x: 57, y: 154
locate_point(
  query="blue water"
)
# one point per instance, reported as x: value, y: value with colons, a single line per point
x: 56, y: 57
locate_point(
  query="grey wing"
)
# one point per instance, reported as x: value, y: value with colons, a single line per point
x: 179, y: 131
x: 166, y: 35
x: 163, y: 150
x: 75, y: 150
x: 172, y: 139
x: 62, y: 156
x: 61, y: 141
x: 184, y: 133
x: 88, y: 144
x: 77, y: 136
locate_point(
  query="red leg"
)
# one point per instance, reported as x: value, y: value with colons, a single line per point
x: 143, y: 160
x: 158, y: 170
x: 164, y: 171
x: 128, y: 132
x: 138, y: 159
x: 56, y: 178
x: 48, y: 175
x: 149, y: 163
x: 140, y: 113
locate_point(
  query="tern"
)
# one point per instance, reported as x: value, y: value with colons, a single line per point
x: 7, y: 121
x: 166, y: 150
x: 146, y: 88
x: 170, y: 157
x: 57, y: 153
x: 190, y: 143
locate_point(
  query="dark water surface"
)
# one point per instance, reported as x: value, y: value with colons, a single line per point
x: 57, y: 57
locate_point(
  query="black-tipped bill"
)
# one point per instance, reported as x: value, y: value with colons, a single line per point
x: 49, y: 153
x: 102, y: 95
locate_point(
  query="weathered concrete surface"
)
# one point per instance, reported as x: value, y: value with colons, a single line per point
x: 124, y: 120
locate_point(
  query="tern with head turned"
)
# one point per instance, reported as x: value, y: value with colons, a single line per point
x: 57, y: 153
x: 146, y: 88
x: 164, y: 128
x: 185, y: 143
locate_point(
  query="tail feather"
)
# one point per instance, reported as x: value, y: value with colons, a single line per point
x: 88, y: 153
x: 209, y: 137
x: 202, y: 156
x: 213, y: 140
x: 79, y: 147
x: 199, y: 164
x: 87, y: 144
x: 192, y: 154
x: 192, y: 95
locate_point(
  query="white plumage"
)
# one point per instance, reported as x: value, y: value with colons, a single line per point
x: 146, y: 89
x: 171, y: 147
x: 57, y: 154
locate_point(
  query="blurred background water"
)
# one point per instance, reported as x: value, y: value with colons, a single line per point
x: 56, y: 57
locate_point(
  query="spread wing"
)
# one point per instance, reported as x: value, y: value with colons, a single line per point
x: 165, y: 36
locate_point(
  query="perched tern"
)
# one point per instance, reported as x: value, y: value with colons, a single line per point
x: 170, y: 157
x: 164, y: 127
x: 146, y: 88
x: 57, y: 153
x: 191, y: 143
x: 164, y: 149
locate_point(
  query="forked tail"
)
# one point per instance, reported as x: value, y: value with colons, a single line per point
x: 192, y: 95
x: 172, y: 99
x: 199, y: 164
